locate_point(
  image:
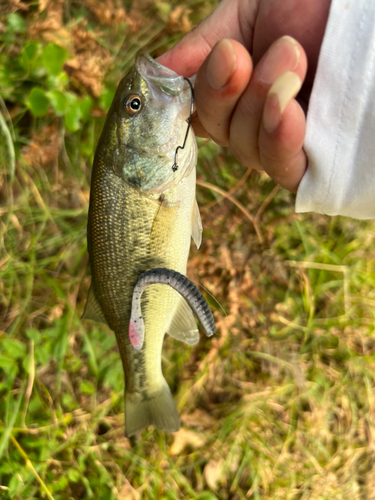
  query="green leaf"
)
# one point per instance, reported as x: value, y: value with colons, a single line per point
x: 30, y: 50
x: 87, y: 142
x: 58, y: 101
x: 30, y: 59
x: 6, y: 468
x: 59, y: 81
x: 16, y: 23
x: 85, y: 106
x: 14, y: 483
x: 54, y: 57
x: 87, y: 387
x: 42, y: 354
x: 38, y: 102
x: 106, y: 98
x: 73, y: 113
x: 68, y: 402
x: 33, y: 334
x: 14, y: 348
x: 61, y: 484
x: 7, y: 363
x: 74, y: 475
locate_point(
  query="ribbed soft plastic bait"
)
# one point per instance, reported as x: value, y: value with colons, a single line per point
x: 183, y: 286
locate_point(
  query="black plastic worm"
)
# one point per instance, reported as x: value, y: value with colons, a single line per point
x: 183, y: 286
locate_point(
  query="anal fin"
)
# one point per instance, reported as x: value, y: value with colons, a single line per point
x: 93, y: 311
x: 183, y: 326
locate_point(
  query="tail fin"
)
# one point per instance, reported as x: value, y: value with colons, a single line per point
x: 157, y: 408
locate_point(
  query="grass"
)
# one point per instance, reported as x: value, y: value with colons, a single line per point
x: 279, y: 405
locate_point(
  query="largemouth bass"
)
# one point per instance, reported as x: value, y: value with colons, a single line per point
x: 142, y: 215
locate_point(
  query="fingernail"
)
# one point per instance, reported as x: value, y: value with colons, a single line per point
x: 285, y: 88
x: 221, y: 65
x: 282, y: 56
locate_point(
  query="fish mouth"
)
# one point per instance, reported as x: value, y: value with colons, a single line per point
x: 166, y: 80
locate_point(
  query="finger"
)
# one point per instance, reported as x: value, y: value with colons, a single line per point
x: 302, y: 19
x: 220, y: 82
x: 286, y: 54
x: 199, y: 130
x: 231, y: 19
x: 282, y: 133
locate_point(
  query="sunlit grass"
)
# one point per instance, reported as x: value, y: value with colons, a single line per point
x: 278, y: 405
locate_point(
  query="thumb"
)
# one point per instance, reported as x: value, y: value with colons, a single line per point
x: 231, y: 19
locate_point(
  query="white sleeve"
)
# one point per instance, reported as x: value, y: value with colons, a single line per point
x: 340, y: 135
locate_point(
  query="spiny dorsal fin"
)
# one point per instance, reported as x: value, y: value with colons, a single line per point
x: 183, y: 326
x: 93, y: 310
x: 196, y: 225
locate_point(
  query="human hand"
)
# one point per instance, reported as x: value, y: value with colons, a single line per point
x: 249, y: 70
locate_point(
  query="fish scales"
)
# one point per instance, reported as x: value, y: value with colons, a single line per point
x: 120, y: 226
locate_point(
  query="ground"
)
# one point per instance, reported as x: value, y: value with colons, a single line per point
x: 278, y: 405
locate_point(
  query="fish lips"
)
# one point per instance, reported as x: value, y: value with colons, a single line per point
x: 164, y: 84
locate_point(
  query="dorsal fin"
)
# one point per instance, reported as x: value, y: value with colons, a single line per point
x: 93, y: 310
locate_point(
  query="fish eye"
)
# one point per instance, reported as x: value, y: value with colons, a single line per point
x: 133, y: 104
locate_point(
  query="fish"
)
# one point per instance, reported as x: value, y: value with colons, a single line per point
x: 142, y: 215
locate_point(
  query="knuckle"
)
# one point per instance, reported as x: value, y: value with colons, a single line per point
x: 216, y: 125
x: 246, y: 157
x: 280, y: 167
x: 276, y: 159
x: 221, y: 142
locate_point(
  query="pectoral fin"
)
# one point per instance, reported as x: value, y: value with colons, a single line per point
x: 196, y: 225
x: 183, y: 326
x: 163, y: 219
x: 93, y: 311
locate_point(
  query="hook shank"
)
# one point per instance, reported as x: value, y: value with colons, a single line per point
x: 175, y: 164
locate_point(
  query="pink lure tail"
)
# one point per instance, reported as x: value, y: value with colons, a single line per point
x: 136, y: 333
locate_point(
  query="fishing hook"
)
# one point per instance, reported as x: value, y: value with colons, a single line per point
x: 175, y: 166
